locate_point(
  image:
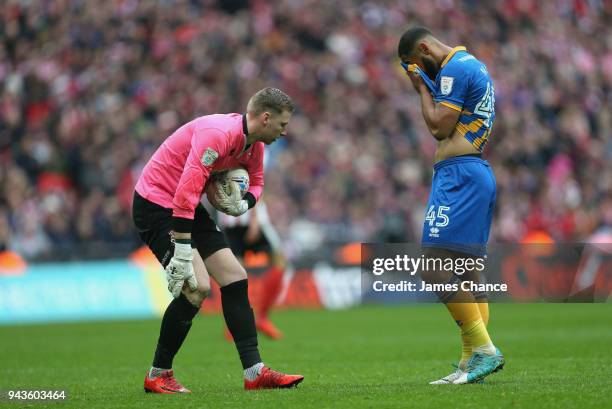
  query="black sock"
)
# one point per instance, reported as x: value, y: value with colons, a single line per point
x: 240, y: 321
x: 174, y: 328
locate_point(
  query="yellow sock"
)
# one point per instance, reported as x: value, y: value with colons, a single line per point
x: 466, y: 351
x: 484, y: 312
x: 466, y: 347
x: 467, y: 316
x: 463, y: 313
x: 478, y: 335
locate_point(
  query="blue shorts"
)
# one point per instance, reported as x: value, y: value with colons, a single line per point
x: 460, y: 206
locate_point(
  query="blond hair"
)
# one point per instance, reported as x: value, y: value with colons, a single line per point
x: 270, y: 99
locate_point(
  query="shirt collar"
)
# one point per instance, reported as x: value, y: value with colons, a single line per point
x: 450, y: 55
x: 245, y: 129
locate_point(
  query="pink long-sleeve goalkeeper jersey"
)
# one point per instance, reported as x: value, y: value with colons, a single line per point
x: 177, y: 172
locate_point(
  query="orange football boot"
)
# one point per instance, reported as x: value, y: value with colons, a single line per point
x: 269, y: 379
x: 164, y: 383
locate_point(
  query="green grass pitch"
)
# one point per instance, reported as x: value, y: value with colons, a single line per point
x: 558, y: 356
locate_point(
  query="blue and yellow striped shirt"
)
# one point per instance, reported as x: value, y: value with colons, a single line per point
x: 463, y: 83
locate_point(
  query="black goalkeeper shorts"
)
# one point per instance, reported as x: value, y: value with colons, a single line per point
x: 154, y: 225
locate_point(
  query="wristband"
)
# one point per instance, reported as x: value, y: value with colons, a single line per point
x: 250, y: 199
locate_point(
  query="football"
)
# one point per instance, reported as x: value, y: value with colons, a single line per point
x: 223, y: 179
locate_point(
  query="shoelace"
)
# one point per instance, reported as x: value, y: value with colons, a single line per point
x: 271, y: 377
x: 171, y: 381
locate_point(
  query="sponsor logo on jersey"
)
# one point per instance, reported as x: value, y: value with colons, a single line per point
x: 446, y: 85
x: 209, y: 157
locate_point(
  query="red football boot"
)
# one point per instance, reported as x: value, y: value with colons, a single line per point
x: 164, y: 383
x: 269, y: 379
x: 265, y: 326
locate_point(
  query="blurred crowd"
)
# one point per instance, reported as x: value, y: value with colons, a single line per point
x: 89, y: 89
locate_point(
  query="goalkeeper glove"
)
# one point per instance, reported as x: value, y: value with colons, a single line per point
x: 231, y: 204
x: 180, y: 268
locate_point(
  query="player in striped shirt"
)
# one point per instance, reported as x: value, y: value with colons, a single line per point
x: 457, y: 98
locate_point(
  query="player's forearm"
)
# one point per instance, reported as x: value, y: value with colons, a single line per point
x: 181, y: 232
x: 181, y: 227
x: 187, y: 197
x: 428, y: 108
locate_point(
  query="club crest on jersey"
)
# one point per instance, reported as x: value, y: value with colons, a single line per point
x: 446, y: 85
x: 209, y: 157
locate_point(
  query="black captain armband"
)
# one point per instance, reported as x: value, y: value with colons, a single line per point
x: 248, y: 196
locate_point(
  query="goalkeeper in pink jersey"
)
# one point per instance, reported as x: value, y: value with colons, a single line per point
x: 173, y: 223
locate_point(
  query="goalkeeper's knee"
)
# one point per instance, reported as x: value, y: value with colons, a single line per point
x: 197, y: 296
